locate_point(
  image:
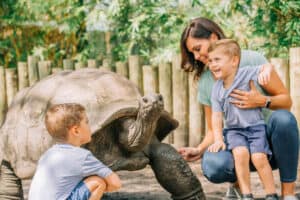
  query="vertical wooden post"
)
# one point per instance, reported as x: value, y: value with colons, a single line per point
x: 180, y: 102
x: 196, y: 114
x: 296, y: 94
x: 165, y: 89
x: 33, y: 69
x: 295, y: 81
x: 11, y: 84
x: 56, y: 70
x: 135, y: 71
x: 79, y: 65
x: 92, y: 63
x: 3, y: 104
x: 107, y: 64
x: 282, y: 68
x: 22, y: 75
x: 107, y: 43
x: 68, y: 64
x: 44, y: 69
x: 150, y: 78
x: 122, y: 68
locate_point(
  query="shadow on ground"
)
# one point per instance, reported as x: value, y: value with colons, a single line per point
x: 151, y: 196
x: 142, y: 185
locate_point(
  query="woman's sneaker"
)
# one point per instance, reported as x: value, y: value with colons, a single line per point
x: 232, y: 193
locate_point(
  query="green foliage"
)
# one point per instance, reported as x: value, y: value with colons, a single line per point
x: 83, y: 29
x: 275, y: 22
x: 51, y: 29
x: 142, y: 27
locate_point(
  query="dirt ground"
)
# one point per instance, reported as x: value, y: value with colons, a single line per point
x: 142, y: 185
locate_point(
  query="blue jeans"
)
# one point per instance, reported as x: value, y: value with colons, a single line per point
x: 282, y: 133
x: 80, y: 192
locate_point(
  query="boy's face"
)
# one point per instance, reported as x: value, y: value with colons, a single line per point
x: 84, y: 130
x: 221, y: 64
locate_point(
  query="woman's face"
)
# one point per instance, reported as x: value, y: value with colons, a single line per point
x: 199, y: 47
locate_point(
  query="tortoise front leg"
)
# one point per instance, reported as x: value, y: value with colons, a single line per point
x: 10, y: 184
x: 173, y: 173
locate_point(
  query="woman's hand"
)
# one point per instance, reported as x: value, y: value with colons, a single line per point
x: 248, y: 99
x: 190, y: 153
x: 217, y: 146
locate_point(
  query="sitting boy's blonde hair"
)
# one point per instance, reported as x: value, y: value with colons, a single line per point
x: 228, y: 46
x: 61, y: 117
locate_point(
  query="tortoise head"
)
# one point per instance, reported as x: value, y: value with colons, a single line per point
x: 151, y: 106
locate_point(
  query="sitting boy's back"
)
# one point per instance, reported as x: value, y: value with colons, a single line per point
x: 63, y: 171
x: 61, y: 168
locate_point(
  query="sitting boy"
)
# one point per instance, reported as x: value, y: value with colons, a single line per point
x: 245, y: 132
x: 66, y: 171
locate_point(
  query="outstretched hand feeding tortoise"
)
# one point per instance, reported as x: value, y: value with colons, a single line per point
x: 127, y: 130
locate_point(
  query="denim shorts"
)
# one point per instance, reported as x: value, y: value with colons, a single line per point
x: 80, y: 192
x: 253, y: 137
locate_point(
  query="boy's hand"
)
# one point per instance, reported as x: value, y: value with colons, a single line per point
x: 113, y: 182
x: 265, y: 74
x: 218, y: 145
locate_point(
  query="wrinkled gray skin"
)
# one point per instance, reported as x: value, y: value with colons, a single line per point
x: 127, y: 130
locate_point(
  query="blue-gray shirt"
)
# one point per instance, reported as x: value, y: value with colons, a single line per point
x: 60, y: 169
x: 206, y: 81
x: 234, y: 116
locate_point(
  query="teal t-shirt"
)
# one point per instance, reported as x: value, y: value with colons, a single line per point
x: 206, y: 81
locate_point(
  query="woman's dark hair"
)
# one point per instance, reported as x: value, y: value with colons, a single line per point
x: 201, y: 28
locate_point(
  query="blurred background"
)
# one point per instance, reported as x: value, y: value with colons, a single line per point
x: 83, y: 29
x: 139, y: 39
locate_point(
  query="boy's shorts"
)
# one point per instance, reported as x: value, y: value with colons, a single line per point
x: 253, y: 137
x: 80, y: 192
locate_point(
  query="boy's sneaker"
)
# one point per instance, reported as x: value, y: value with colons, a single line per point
x: 272, y: 197
x: 232, y: 193
x: 247, y: 197
x: 290, y: 197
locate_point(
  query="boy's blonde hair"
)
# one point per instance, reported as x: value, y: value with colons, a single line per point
x: 228, y: 46
x: 61, y: 117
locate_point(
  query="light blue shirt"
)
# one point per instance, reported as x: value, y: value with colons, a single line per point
x: 206, y: 81
x: 60, y: 169
x: 221, y: 101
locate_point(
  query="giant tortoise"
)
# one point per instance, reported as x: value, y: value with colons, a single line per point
x: 127, y: 129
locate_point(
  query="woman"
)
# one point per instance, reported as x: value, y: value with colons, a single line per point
x: 281, y: 125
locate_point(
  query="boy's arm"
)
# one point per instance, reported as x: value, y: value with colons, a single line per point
x: 113, y: 182
x: 92, y: 166
x: 217, y: 121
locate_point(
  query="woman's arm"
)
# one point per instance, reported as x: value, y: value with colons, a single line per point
x: 278, y: 94
x: 195, y: 153
x: 209, y: 136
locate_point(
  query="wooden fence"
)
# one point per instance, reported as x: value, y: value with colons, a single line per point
x: 177, y: 87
